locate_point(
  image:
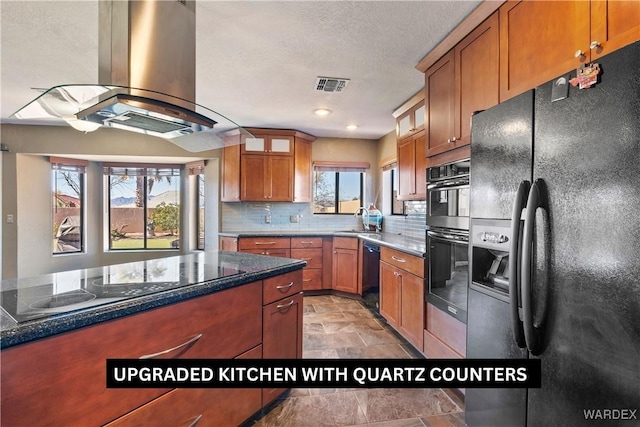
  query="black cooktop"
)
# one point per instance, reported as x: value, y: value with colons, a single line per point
x: 59, y: 293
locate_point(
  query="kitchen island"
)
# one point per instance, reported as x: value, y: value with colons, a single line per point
x: 55, y: 339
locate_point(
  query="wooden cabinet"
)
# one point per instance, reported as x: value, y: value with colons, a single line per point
x: 309, y: 249
x: 402, y: 293
x: 62, y: 379
x: 272, y: 165
x: 226, y: 243
x: 463, y: 81
x: 411, y: 121
x: 345, y: 264
x: 574, y: 33
x: 266, y: 178
x: 204, y: 406
x: 272, y: 246
x: 445, y: 337
x: 412, y: 167
x: 282, y: 329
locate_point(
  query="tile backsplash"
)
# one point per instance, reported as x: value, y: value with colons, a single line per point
x: 246, y: 217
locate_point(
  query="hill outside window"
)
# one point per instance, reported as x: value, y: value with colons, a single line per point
x: 144, y: 206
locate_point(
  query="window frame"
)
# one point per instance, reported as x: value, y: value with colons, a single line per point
x: 108, y: 169
x: 337, y: 192
x: 394, y: 176
x: 59, y: 165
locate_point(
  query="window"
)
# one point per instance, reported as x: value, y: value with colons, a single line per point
x: 67, y: 204
x: 144, y: 206
x: 397, y: 206
x: 197, y: 169
x: 337, y: 188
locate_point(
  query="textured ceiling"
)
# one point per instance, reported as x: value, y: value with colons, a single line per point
x: 257, y: 62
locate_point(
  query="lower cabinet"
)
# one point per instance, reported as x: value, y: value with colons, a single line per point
x: 60, y: 380
x: 402, y: 293
x: 445, y: 337
x: 282, y: 328
x: 309, y: 249
x: 345, y: 264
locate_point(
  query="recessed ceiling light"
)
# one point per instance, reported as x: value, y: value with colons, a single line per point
x: 322, y: 112
x: 352, y: 127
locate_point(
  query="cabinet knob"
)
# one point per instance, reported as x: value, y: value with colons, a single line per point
x: 595, y: 44
x: 578, y: 54
x: 454, y: 139
x: 449, y: 141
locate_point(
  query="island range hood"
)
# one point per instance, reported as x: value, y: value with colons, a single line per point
x: 146, y: 78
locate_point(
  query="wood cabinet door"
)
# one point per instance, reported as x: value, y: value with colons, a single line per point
x: 303, y: 172
x: 538, y: 42
x: 614, y: 24
x: 254, y: 185
x: 439, y: 96
x: 230, y: 174
x: 477, y: 70
x: 406, y: 168
x: 228, y: 243
x: 282, y: 335
x: 419, y: 145
x: 279, y: 179
x: 345, y: 272
x: 412, y: 308
x: 389, y: 294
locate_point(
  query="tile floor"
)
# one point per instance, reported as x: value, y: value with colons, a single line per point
x: 336, y: 327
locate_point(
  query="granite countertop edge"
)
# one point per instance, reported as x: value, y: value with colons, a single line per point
x: 402, y: 243
x: 13, y: 333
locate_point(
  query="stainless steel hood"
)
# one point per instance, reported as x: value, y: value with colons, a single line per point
x: 147, y: 62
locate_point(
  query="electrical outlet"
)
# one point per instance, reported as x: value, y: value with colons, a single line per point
x: 294, y: 219
x: 267, y: 219
x: 10, y: 219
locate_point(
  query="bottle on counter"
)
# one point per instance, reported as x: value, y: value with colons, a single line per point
x: 375, y: 218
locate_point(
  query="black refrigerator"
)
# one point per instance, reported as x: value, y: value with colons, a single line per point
x: 555, y: 249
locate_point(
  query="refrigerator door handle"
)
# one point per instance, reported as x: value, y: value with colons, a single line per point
x: 514, y: 265
x: 531, y: 333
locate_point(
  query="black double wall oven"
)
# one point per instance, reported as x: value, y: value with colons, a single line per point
x: 448, y: 237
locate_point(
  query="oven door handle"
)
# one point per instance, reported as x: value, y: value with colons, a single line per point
x: 460, y: 183
x: 449, y: 237
x: 515, y: 264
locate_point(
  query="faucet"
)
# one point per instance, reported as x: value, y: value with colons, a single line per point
x: 366, y: 211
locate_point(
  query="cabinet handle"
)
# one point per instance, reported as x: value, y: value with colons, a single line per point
x: 595, y: 44
x: 160, y: 353
x: 195, y: 421
x: 264, y: 243
x: 306, y: 243
x: 398, y: 259
x: 279, y: 306
x: 306, y: 280
x: 579, y: 53
x: 307, y: 259
x: 454, y: 139
x: 449, y: 141
x: 284, y: 286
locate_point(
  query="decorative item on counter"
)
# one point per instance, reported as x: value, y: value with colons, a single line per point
x: 375, y: 219
x: 586, y: 76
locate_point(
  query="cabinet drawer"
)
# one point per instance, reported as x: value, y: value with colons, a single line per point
x: 447, y: 329
x: 209, y: 407
x: 312, y: 256
x: 74, y: 362
x: 282, y: 253
x: 436, y: 349
x: 306, y: 242
x: 345, y: 242
x: 311, y: 279
x: 403, y: 260
x: 275, y: 288
x: 264, y: 243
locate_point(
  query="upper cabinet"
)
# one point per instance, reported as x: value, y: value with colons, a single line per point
x: 410, y: 119
x: 272, y: 165
x: 542, y: 40
x: 461, y: 82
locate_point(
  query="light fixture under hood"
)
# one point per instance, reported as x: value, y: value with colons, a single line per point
x: 147, y: 79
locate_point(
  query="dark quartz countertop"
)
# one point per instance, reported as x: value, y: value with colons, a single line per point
x: 402, y: 243
x: 223, y: 270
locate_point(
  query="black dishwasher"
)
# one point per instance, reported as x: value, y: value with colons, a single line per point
x: 371, y: 275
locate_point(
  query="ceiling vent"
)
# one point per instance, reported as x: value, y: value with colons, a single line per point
x: 331, y: 84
